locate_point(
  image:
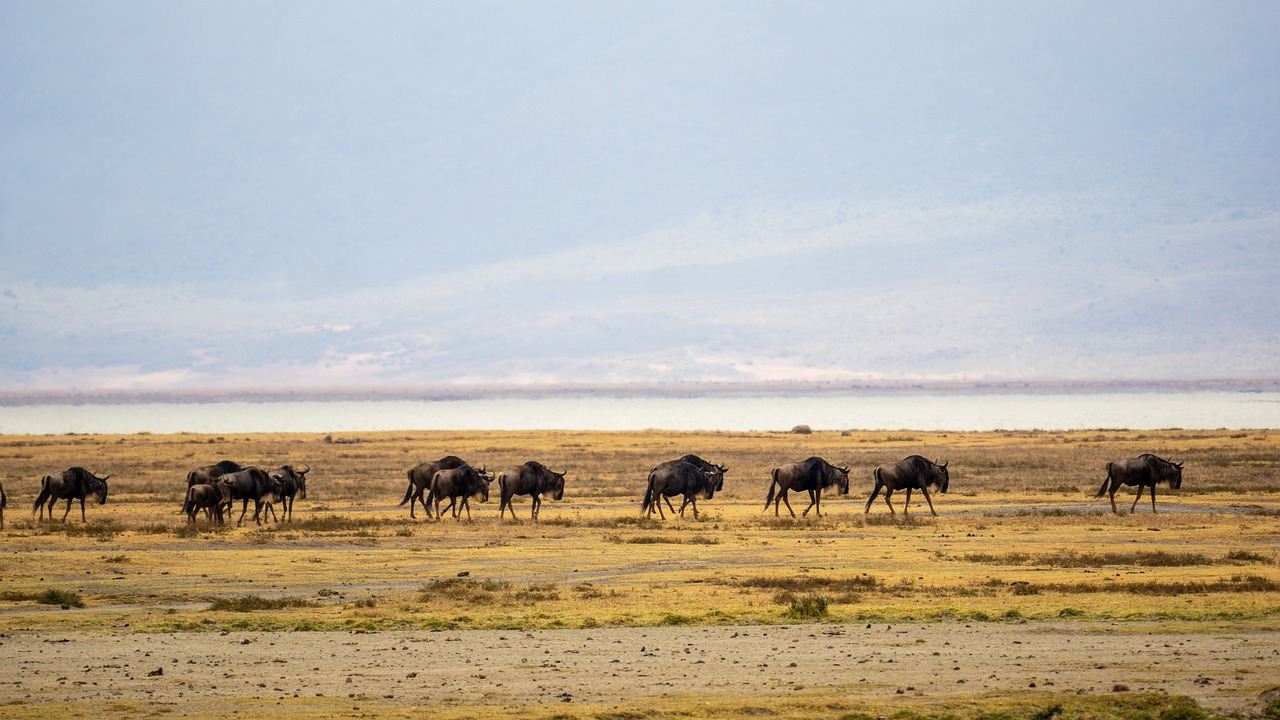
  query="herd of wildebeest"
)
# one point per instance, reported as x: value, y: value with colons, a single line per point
x: 213, y: 489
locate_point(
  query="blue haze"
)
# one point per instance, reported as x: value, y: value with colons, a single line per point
x: 243, y: 194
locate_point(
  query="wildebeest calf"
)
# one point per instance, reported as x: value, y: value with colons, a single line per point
x: 460, y: 482
x: 212, y: 498
x: 420, y: 477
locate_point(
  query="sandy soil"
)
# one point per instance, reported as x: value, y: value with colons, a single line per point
x: 1221, y: 666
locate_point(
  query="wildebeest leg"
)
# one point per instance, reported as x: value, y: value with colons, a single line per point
x: 907, y: 505
x: 782, y: 497
x: 872, y: 499
x: 887, y: 493
x: 1135, y: 500
x: 813, y: 501
x: 689, y: 500
x: 65, y: 514
x: 657, y: 502
x: 1153, y: 498
x: 270, y: 508
x: 244, y: 508
x: 466, y: 505
x: 536, y: 503
x: 673, y: 510
x: 925, y: 490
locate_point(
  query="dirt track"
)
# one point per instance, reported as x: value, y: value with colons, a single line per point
x: 1222, y: 667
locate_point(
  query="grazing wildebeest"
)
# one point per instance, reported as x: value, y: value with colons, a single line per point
x: 692, y: 459
x: 3, y: 502
x: 208, y: 473
x: 680, y: 478
x: 420, y: 480
x: 1146, y: 470
x: 211, y: 498
x: 532, y: 479
x: 292, y: 482
x: 460, y: 482
x: 251, y: 483
x: 913, y: 473
x: 811, y: 475
x: 72, y: 484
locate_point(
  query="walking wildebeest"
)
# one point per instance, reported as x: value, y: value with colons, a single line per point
x: 420, y: 480
x: 680, y: 478
x: 210, y: 497
x: 913, y: 473
x: 460, y: 482
x: 292, y: 482
x: 1146, y: 470
x: 72, y: 484
x: 692, y: 459
x: 3, y: 502
x: 811, y: 475
x: 208, y: 473
x: 251, y: 483
x: 532, y: 479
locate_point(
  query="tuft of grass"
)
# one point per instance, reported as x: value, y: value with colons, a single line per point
x: 256, y: 603
x: 48, y: 597
x: 809, y: 607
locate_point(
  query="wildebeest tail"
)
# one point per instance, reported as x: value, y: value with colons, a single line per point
x: 1103, y: 490
x: 768, y: 499
x: 408, y: 493
x: 649, y: 498
x: 44, y: 494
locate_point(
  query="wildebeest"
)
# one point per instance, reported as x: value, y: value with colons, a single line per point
x: 460, y: 482
x: 210, y: 497
x: 1146, y: 470
x: 811, y: 475
x: 680, y: 478
x: 72, y: 484
x: 532, y: 479
x: 208, y: 473
x: 292, y: 482
x: 251, y: 483
x: 912, y: 473
x: 692, y: 459
x: 420, y: 480
x: 3, y: 502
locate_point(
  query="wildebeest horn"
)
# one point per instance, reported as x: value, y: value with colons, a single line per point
x: 563, y: 472
x: 304, y: 472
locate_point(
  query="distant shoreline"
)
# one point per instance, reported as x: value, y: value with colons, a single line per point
x: 627, y: 390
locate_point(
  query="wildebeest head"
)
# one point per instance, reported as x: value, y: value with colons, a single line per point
x: 556, y: 486
x: 942, y: 478
x: 1170, y: 472
x: 482, y: 487
x: 289, y: 473
x: 98, y: 486
x: 842, y: 478
x: 715, y: 481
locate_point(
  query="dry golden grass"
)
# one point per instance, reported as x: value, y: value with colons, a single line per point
x: 1018, y: 537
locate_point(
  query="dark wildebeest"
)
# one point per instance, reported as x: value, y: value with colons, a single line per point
x: 420, y: 480
x: 810, y: 475
x: 211, y: 498
x: 460, y: 482
x: 292, y: 482
x: 208, y: 473
x: 532, y: 479
x: 251, y: 483
x: 692, y: 459
x: 913, y: 473
x: 73, y: 484
x: 3, y: 502
x: 680, y: 478
x: 1146, y: 470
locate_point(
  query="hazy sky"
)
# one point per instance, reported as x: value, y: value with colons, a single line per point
x: 232, y: 194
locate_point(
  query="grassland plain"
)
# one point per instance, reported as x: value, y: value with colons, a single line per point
x: 1019, y: 546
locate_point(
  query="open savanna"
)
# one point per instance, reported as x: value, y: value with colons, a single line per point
x: 1019, y: 540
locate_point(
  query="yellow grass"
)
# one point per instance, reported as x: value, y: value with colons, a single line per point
x: 1018, y: 537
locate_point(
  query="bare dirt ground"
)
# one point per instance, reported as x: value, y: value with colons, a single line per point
x: 1222, y: 666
